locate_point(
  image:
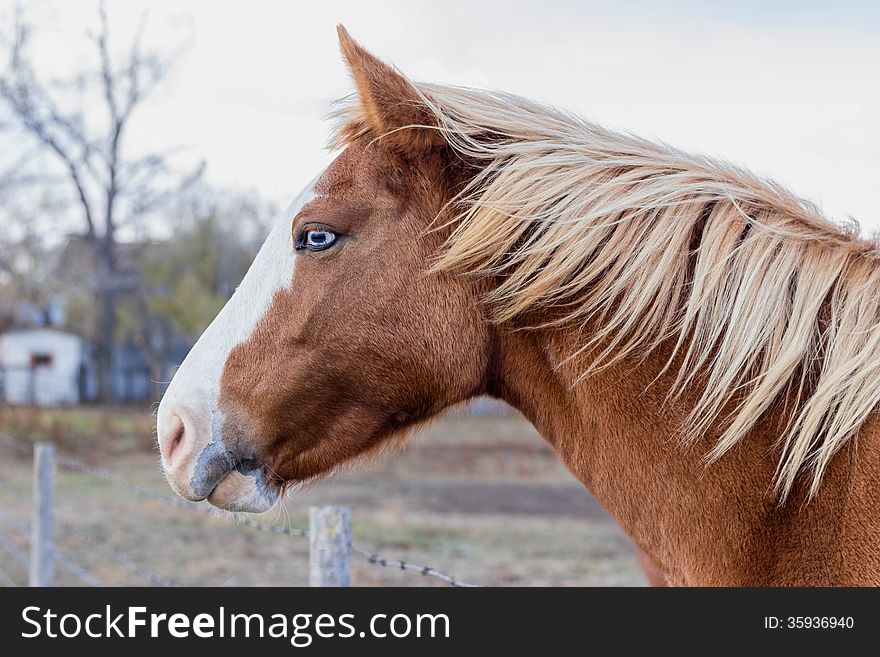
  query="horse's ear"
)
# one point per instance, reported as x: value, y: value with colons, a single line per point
x: 391, y: 107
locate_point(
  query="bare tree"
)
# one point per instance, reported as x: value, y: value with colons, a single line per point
x: 109, y: 188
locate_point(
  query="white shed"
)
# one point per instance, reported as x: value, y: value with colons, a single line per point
x: 41, y: 366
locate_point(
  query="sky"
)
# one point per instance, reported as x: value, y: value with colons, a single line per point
x: 787, y: 89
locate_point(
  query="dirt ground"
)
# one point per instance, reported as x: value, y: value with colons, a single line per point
x: 483, y: 498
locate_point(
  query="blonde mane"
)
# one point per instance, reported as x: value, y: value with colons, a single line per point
x: 762, y: 298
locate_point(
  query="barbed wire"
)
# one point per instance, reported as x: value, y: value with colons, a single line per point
x: 15, y: 523
x: 106, y: 475
x: 65, y: 561
x: 16, y: 554
x: 16, y: 444
x: 240, y: 519
x: 143, y: 493
x: 74, y: 568
x: 427, y: 571
x: 119, y: 557
x: 6, y: 580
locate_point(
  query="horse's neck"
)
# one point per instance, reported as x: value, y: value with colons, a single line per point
x: 719, y: 524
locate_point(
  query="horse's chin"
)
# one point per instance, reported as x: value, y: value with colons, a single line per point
x: 243, y: 492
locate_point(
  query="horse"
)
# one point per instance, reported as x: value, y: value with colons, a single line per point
x: 699, y: 346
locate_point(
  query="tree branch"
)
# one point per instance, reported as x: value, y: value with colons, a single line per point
x: 108, y: 186
x: 18, y: 91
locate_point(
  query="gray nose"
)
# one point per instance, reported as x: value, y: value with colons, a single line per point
x: 213, y: 463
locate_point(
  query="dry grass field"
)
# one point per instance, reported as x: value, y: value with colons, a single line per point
x: 483, y: 498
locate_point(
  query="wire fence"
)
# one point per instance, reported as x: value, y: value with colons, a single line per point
x: 125, y: 560
x: 66, y: 562
x: 427, y: 571
x: 119, y: 557
x: 16, y: 554
x: 5, y: 580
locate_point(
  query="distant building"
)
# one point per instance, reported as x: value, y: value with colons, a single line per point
x: 49, y: 367
x: 42, y: 366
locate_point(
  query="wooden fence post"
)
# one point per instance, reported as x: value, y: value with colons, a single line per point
x: 42, y: 548
x: 329, y: 545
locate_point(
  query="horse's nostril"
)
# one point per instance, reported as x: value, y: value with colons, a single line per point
x: 176, y: 435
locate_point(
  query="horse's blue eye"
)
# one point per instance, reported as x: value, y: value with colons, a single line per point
x: 318, y: 240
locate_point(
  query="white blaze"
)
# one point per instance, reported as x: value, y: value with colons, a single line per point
x: 194, y: 391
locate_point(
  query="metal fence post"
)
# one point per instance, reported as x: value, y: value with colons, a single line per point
x: 329, y: 545
x: 42, y: 548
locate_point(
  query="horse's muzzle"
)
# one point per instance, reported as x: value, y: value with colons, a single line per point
x: 197, y: 469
